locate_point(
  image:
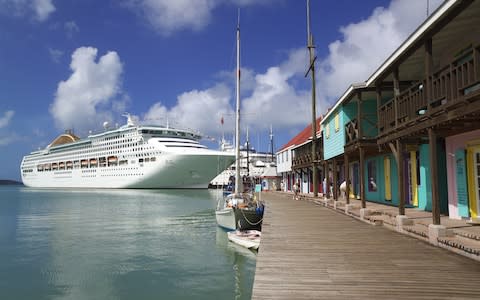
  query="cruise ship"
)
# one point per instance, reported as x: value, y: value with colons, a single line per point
x: 132, y: 156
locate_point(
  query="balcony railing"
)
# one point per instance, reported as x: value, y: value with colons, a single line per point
x: 447, y: 87
x: 305, y: 159
x: 351, y: 130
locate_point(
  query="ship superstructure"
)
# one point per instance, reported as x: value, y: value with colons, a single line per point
x: 132, y: 156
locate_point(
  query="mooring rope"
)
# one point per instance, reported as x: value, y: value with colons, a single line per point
x: 245, y: 217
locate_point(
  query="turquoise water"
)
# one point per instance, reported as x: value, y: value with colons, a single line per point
x: 117, y: 244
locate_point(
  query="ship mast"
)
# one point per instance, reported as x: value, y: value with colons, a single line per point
x: 237, y: 124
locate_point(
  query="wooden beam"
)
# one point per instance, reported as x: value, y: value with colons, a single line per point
x: 325, y: 176
x: 335, y: 180
x: 362, y: 177
x: 424, y: 124
x: 394, y: 150
x: 432, y: 137
x: 396, y: 92
x: 347, y: 176
x: 379, y: 103
x: 359, y: 115
x: 401, y: 194
x: 328, y: 180
x: 428, y: 71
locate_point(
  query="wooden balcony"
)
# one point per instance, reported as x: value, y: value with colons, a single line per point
x: 448, y: 88
x: 305, y: 159
x: 351, y: 131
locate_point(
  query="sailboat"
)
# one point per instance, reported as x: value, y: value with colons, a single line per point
x: 238, y: 201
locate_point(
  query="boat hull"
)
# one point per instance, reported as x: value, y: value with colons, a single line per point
x: 248, y: 218
x: 249, y: 239
x: 225, y: 218
x: 186, y: 171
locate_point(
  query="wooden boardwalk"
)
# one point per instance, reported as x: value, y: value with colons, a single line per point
x: 312, y: 252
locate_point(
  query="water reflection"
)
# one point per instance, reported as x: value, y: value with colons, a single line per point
x: 118, y: 244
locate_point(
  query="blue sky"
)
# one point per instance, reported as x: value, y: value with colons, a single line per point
x: 77, y: 63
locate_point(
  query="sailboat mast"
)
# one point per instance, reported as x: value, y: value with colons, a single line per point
x: 311, y: 50
x: 237, y: 125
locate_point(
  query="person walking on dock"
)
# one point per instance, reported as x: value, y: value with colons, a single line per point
x: 296, y: 189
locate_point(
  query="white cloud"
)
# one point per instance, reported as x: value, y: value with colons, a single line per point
x: 70, y: 28
x: 168, y: 17
x: 199, y: 110
x: 92, y: 93
x: 266, y: 99
x: 7, y: 117
x: 40, y: 9
x: 43, y: 9
x: 5, y: 120
x: 365, y: 45
x: 55, y: 55
x: 275, y: 99
x: 281, y: 96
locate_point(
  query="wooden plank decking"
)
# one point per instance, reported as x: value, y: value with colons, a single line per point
x: 312, y: 252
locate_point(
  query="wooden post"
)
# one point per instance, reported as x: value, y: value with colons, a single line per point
x: 379, y: 103
x: 347, y: 176
x: 362, y: 177
x: 432, y: 139
x: 428, y: 72
x: 325, y: 175
x: 396, y: 93
x: 359, y: 116
x: 401, y: 196
x: 476, y: 63
x: 328, y: 180
x: 335, y: 180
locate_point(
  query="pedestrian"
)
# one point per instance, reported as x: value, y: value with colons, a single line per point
x: 296, y: 189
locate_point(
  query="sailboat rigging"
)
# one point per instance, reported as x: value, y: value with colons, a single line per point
x: 238, y: 210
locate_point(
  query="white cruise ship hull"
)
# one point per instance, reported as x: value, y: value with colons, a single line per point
x: 135, y: 157
x: 189, y: 170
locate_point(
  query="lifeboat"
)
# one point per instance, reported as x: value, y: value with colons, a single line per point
x: 54, y: 166
x: 61, y: 166
x: 69, y: 164
x: 112, y: 159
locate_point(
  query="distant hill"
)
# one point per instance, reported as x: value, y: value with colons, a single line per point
x: 9, y: 182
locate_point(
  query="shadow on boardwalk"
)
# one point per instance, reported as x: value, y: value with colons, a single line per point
x: 312, y: 252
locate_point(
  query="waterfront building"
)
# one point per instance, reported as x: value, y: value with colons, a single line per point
x: 294, y: 160
x: 431, y: 123
x: 409, y: 135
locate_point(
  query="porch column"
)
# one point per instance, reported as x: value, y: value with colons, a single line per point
x: 328, y: 180
x: 325, y: 173
x: 396, y: 93
x: 476, y: 62
x: 359, y: 116
x: 335, y: 180
x: 432, y: 139
x: 401, y: 180
x: 379, y: 100
x: 428, y: 72
x: 362, y: 177
x: 347, y: 176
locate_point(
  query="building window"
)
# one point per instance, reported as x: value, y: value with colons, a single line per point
x: 327, y: 131
x: 372, y: 176
x: 337, y: 122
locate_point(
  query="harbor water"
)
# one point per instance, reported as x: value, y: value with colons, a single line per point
x: 117, y: 244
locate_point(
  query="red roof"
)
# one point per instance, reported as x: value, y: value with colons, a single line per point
x: 303, y: 136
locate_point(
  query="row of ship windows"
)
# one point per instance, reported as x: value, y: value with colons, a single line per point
x: 101, y: 152
x: 111, y: 161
